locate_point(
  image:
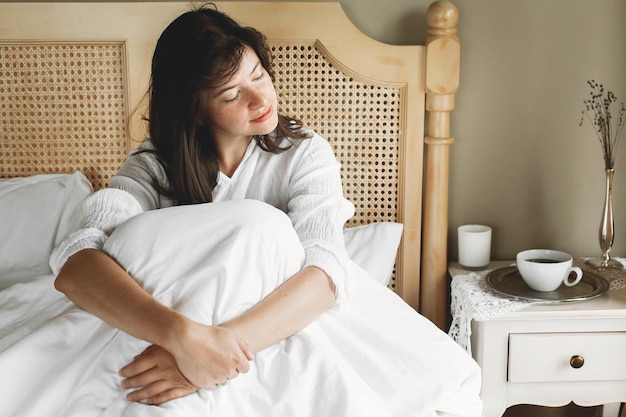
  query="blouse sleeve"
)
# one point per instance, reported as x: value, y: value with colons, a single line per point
x: 318, y: 211
x: 130, y: 192
x: 96, y: 218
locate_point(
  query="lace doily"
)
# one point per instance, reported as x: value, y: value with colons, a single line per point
x: 473, y: 299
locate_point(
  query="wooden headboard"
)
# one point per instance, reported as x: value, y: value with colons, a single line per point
x: 73, y: 74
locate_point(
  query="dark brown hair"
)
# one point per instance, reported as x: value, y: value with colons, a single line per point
x: 195, y: 53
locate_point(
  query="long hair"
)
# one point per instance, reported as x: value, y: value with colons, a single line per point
x: 196, y: 52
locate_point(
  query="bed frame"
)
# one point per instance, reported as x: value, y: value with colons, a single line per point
x: 73, y: 74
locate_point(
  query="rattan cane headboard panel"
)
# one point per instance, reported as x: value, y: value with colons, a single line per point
x: 359, y: 118
x: 62, y: 108
x: 70, y: 78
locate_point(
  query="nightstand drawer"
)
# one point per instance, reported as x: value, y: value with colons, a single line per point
x: 545, y: 357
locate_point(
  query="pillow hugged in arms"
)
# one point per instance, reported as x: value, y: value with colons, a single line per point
x: 213, y: 261
x: 36, y: 213
x: 209, y: 261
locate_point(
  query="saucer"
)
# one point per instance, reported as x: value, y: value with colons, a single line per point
x: 508, y: 281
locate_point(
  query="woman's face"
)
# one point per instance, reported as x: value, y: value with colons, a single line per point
x: 246, y: 104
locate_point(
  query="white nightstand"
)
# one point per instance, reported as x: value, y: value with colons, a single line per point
x: 551, y: 355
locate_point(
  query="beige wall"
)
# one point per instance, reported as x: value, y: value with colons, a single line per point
x: 521, y: 163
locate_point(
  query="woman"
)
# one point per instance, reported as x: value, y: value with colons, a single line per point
x: 215, y: 135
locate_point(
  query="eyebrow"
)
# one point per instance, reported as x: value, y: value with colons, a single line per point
x: 225, y: 89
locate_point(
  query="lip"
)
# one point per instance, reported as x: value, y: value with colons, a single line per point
x: 264, y: 116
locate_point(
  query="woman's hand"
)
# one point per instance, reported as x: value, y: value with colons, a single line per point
x: 157, y: 378
x: 211, y: 356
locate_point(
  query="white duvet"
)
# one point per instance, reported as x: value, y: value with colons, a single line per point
x: 373, y: 357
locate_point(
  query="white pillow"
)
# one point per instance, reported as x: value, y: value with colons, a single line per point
x: 36, y: 213
x: 374, y: 248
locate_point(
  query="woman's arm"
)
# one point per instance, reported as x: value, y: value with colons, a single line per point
x: 287, y: 310
x: 206, y: 355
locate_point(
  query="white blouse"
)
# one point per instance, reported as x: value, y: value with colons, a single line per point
x: 303, y: 181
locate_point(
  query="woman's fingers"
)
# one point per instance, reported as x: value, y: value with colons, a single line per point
x: 160, y: 382
x: 249, y: 356
x: 144, y: 379
x: 149, y: 393
x: 159, y: 393
x: 143, y: 362
x: 168, y: 395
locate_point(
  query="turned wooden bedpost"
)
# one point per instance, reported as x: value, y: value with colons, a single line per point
x: 442, y: 82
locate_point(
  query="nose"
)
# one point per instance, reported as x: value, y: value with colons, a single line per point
x: 257, y: 99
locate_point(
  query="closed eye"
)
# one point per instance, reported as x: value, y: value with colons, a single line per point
x: 232, y: 100
x: 258, y: 76
x: 255, y: 77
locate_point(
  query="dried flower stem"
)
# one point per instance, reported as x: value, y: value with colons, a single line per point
x: 598, y: 112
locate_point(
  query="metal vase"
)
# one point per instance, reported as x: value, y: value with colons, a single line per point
x: 607, y: 228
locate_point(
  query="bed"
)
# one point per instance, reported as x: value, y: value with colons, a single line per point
x: 72, y: 84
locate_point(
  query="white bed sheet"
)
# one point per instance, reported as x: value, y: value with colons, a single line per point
x: 373, y: 357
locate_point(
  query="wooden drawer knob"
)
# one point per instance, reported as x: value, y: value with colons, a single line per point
x: 576, y: 361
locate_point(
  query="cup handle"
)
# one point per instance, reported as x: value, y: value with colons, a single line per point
x: 579, y: 275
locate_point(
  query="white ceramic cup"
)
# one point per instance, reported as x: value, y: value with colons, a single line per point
x: 474, y: 246
x: 547, y: 269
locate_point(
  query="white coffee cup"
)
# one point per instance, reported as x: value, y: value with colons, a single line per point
x: 474, y: 246
x: 547, y: 269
